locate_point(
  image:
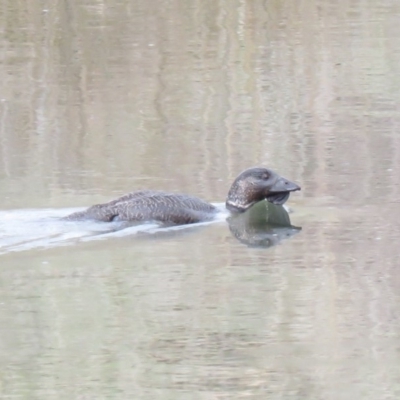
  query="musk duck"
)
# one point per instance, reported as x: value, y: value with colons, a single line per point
x: 250, y: 187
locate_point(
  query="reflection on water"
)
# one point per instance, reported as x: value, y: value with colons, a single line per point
x: 102, y: 98
x: 264, y: 225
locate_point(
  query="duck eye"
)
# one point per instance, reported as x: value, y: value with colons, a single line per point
x: 264, y: 176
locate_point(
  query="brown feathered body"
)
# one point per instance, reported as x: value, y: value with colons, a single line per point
x: 251, y: 186
x: 148, y: 205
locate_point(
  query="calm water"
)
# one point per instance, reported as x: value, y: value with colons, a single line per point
x: 99, y: 98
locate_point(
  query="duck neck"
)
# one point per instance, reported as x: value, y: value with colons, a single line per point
x: 235, y: 207
x: 239, y: 198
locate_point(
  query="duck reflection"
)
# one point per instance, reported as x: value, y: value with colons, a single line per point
x: 263, y: 225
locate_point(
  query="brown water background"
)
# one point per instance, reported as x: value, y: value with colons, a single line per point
x: 98, y: 98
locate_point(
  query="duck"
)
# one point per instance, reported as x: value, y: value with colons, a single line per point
x: 250, y: 187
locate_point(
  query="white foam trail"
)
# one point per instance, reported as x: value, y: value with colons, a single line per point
x: 26, y: 229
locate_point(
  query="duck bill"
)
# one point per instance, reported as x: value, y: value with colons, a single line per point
x: 279, y: 192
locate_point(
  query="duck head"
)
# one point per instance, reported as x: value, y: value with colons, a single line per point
x: 256, y: 184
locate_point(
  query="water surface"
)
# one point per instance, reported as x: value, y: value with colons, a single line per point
x: 100, y: 98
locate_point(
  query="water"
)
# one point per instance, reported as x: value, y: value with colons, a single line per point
x: 101, y: 98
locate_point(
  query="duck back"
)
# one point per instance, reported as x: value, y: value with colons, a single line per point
x: 148, y: 205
